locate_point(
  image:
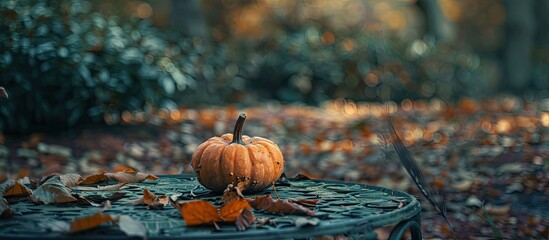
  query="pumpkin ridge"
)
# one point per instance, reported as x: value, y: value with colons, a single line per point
x: 226, y: 166
x: 258, y: 169
x: 277, y: 160
x: 208, y: 162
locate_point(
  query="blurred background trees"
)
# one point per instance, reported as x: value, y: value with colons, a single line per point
x: 66, y: 62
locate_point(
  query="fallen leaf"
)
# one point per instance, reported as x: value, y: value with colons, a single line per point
x: 70, y: 179
x: 202, y: 212
x: 150, y: 199
x: 130, y: 226
x: 232, y: 192
x: 5, y: 210
x: 92, y: 221
x: 127, y: 176
x: 114, y: 187
x: 173, y: 201
x: 17, y: 190
x: 113, y: 198
x: 130, y: 176
x: 498, y: 210
x: 304, y: 202
x: 301, y: 176
x: 89, y: 222
x: 93, y: 179
x: 52, y: 191
x: 302, y: 222
x: 233, y: 209
x: 268, y: 204
x: 244, y: 220
x: 83, y: 201
x: 199, y: 212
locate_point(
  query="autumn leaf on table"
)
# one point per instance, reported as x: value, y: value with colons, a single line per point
x: 268, y: 204
x: 202, y: 212
x: 5, y: 210
x: 89, y: 222
x: 68, y: 180
x: 52, y: 191
x: 17, y: 190
x: 245, y: 220
x: 150, y: 199
x: 127, y: 176
x: 233, y: 192
x: 304, y: 202
x: 114, y: 187
x: 92, y: 221
x: 113, y: 198
x: 199, y: 212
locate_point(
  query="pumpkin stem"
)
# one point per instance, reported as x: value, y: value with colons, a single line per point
x: 237, y: 134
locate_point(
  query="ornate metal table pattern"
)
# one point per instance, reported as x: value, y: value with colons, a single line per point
x: 343, y: 208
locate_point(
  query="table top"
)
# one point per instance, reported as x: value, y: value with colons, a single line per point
x: 343, y: 207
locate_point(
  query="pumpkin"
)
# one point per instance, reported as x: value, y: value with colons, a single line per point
x: 254, y: 162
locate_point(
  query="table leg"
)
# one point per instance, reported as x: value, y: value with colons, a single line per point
x: 414, y: 224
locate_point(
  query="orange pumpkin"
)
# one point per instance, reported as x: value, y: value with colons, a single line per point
x: 234, y: 158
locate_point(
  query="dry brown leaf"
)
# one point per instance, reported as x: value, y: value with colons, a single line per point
x: 199, y: 212
x: 52, y: 191
x: 202, y: 212
x: 89, y: 222
x: 130, y: 176
x: 150, y: 199
x: 114, y: 187
x: 230, y: 211
x: 5, y: 210
x: 233, y: 192
x: 127, y: 176
x: 17, y: 190
x: 71, y: 179
x: 113, y: 198
x: 173, y: 201
x: 268, y: 204
x: 80, y: 200
x: 245, y: 220
x: 93, y: 179
x: 304, y: 202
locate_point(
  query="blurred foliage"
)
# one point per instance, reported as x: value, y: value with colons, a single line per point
x: 62, y: 64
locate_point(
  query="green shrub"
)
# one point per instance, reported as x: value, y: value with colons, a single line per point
x: 62, y: 65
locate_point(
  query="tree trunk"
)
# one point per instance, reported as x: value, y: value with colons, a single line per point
x: 436, y: 25
x: 520, y: 28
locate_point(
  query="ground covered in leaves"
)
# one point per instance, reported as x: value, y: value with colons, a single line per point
x: 489, y: 159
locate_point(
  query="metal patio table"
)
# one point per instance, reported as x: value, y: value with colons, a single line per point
x: 344, y: 208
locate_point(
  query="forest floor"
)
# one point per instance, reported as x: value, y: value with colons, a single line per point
x: 490, y: 160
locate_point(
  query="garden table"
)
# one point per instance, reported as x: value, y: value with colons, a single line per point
x: 344, y: 208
